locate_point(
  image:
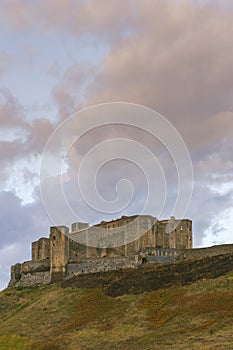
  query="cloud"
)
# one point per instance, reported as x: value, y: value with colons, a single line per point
x: 10, y: 111
x: 21, y: 144
x: 5, y: 57
x: 8, y: 256
x: 177, y: 60
x: 72, y: 88
x: 69, y: 17
x: 173, y: 64
x: 20, y: 225
x: 40, y: 130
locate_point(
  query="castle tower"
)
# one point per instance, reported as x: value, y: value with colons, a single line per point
x: 174, y: 234
x: 59, y: 252
x: 76, y: 226
x: 41, y: 249
x: 180, y: 233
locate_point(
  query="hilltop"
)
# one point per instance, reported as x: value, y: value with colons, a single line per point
x: 150, y: 277
x: 151, y: 307
x: 109, y: 245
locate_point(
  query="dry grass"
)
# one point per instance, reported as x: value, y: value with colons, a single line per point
x: 198, y: 316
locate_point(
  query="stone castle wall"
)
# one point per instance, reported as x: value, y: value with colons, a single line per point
x: 107, y: 245
x: 121, y: 237
x: 41, y: 249
x: 32, y: 273
x: 127, y: 235
x: 91, y: 265
x: 174, y: 234
x: 200, y: 253
x: 59, y: 252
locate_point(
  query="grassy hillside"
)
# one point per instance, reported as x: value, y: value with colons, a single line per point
x: 151, y: 277
x: 198, y: 316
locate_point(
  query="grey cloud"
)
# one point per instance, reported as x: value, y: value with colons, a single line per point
x: 70, y: 17
x: 72, y: 88
x: 5, y: 58
x: 11, y: 111
x: 20, y: 225
x: 177, y: 60
x: 19, y: 138
x: 206, y: 206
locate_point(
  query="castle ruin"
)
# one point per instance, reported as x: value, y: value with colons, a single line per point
x: 120, y: 243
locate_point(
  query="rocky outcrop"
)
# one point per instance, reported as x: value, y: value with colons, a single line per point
x: 30, y: 273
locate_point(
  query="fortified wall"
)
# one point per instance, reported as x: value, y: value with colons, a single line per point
x: 121, y: 243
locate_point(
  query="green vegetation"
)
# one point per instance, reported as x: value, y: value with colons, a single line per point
x: 198, y: 316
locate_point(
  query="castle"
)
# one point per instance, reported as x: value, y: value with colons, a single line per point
x: 120, y: 243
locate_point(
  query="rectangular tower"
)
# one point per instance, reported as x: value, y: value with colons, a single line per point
x: 59, y: 252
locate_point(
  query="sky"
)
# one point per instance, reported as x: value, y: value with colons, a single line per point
x: 60, y: 56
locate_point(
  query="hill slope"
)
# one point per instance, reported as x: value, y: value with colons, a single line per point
x: 150, y: 277
x: 195, y: 316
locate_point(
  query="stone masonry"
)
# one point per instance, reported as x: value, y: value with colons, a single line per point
x: 120, y: 243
